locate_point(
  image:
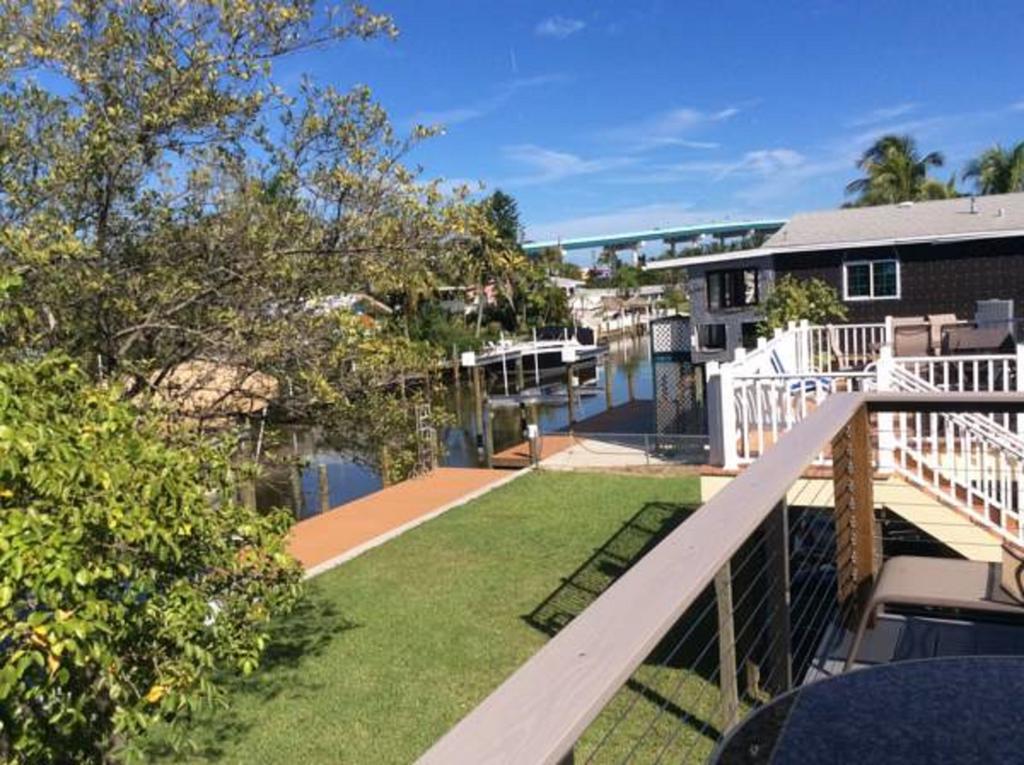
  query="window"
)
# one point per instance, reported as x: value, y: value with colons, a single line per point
x: 712, y: 337
x: 871, y: 280
x: 748, y: 331
x: 732, y: 289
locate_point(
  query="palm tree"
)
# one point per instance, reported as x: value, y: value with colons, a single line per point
x: 997, y: 170
x: 895, y: 172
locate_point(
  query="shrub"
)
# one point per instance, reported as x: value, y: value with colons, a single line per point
x: 794, y: 299
x: 128, y: 575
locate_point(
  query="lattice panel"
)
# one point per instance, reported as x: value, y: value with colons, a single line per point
x: 677, y: 408
x: 671, y: 335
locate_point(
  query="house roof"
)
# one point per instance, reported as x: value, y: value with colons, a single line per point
x: 999, y: 214
x: 933, y: 222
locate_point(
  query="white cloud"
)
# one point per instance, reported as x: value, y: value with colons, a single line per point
x: 484, y: 106
x: 558, y: 27
x: 883, y: 114
x: 550, y: 165
x: 668, y: 128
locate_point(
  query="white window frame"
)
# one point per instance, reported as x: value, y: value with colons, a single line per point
x: 871, y: 280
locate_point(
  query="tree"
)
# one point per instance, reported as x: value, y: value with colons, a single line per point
x: 896, y: 172
x: 793, y: 299
x: 997, y: 170
x: 167, y: 202
x: 130, y: 578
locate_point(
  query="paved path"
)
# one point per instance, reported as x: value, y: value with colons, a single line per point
x: 329, y: 539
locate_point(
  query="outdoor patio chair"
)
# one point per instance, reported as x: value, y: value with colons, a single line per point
x: 948, y: 583
x: 807, y: 384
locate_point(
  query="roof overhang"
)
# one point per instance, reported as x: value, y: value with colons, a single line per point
x: 727, y: 257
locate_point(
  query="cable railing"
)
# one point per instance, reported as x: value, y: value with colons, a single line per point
x: 749, y: 596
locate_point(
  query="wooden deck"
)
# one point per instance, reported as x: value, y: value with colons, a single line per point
x: 329, y: 539
x: 518, y: 456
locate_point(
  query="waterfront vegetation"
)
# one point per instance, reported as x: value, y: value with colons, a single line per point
x: 390, y: 650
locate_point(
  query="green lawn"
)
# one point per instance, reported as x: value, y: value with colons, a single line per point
x: 390, y: 650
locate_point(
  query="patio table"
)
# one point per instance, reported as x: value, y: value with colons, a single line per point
x: 959, y: 709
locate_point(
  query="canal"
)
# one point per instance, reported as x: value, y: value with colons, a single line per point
x: 350, y: 478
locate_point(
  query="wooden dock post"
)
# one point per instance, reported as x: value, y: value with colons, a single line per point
x: 489, y: 435
x: 298, y: 500
x: 726, y: 647
x: 608, y: 380
x: 478, y: 406
x: 325, y: 491
x: 570, y: 373
x: 456, y: 364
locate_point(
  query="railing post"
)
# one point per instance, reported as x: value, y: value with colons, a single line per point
x: 726, y: 647
x: 889, y: 338
x: 721, y: 416
x: 803, y: 344
x: 852, y: 476
x: 780, y: 657
x: 885, y: 420
x: 1018, y: 373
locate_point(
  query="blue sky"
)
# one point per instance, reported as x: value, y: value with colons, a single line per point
x: 611, y: 116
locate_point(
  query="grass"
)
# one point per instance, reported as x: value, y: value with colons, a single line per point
x: 388, y: 651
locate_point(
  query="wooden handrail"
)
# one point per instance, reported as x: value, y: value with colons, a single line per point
x: 537, y: 714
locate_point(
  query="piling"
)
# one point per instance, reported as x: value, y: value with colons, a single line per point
x: 325, y: 492
x: 608, y: 380
x: 298, y: 503
x: 489, y: 437
x: 478, y: 407
x: 570, y: 372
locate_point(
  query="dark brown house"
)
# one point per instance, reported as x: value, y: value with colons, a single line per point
x: 910, y: 259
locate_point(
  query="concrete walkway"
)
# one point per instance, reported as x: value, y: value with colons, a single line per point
x: 329, y: 539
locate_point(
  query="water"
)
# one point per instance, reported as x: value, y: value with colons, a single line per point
x: 349, y: 478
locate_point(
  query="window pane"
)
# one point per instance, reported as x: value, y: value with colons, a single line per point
x: 858, y: 280
x: 885, y: 278
x: 715, y: 290
x: 750, y: 287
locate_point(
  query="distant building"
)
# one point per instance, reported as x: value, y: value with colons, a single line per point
x: 910, y: 259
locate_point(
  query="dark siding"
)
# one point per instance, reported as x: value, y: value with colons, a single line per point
x: 946, y: 278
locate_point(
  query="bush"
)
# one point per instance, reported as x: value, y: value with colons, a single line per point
x: 128, y: 577
x: 794, y: 299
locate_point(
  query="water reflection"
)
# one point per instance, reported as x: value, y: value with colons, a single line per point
x: 348, y: 478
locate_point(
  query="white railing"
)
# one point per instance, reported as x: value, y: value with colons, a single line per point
x: 969, y: 374
x: 768, y: 405
x: 762, y: 393
x: 842, y: 347
x: 966, y: 459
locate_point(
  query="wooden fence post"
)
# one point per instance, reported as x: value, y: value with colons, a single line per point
x: 852, y: 476
x: 726, y: 647
x: 780, y: 658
